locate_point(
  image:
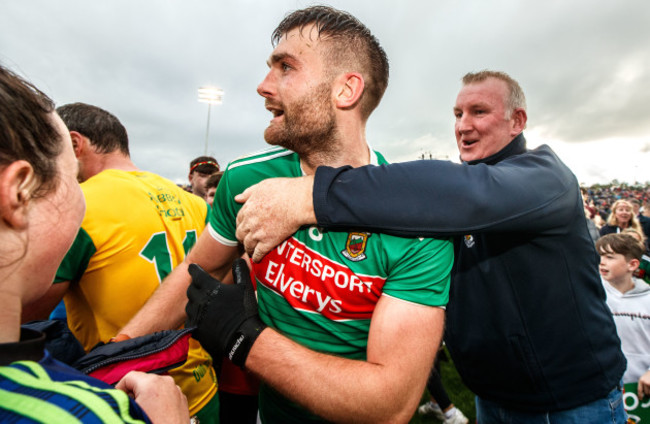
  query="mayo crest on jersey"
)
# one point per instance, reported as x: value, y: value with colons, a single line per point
x: 355, y: 246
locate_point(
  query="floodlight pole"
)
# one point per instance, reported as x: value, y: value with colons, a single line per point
x: 210, y: 95
x: 207, y: 131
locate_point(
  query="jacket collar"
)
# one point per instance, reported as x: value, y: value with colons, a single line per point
x: 516, y: 147
x: 30, y: 347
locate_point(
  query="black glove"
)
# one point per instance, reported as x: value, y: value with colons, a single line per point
x: 225, y: 315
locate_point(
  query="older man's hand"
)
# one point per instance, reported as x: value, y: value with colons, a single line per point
x: 273, y: 210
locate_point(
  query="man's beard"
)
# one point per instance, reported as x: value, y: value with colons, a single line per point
x: 309, y: 124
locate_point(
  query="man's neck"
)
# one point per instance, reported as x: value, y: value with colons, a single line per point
x: 349, y: 149
x: 101, y: 162
x: 359, y: 157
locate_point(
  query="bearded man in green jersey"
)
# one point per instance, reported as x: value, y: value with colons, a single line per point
x: 349, y: 322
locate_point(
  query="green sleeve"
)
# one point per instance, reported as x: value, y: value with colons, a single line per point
x: 420, y: 270
x: 207, y: 215
x: 224, y: 210
x: 76, y: 260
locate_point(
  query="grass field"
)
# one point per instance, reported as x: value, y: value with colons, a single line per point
x: 458, y: 393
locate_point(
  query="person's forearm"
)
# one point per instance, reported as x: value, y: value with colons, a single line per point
x: 165, y: 309
x: 402, y: 343
x: 334, y: 388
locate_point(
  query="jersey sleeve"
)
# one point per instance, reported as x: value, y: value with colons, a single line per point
x: 223, y: 216
x: 76, y: 260
x: 207, y: 215
x: 420, y: 270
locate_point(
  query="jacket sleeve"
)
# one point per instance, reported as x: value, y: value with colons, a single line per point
x: 533, y: 191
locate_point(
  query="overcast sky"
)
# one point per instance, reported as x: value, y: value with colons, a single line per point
x: 584, y: 66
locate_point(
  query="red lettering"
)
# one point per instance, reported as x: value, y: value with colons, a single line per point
x: 312, y: 282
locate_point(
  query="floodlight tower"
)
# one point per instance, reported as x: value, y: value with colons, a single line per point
x: 212, y: 96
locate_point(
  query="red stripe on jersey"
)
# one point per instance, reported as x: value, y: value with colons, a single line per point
x: 312, y: 282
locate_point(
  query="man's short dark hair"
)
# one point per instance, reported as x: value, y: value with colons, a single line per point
x: 204, y: 165
x: 623, y: 244
x: 27, y: 131
x: 354, y: 48
x: 105, y: 132
x: 213, y: 180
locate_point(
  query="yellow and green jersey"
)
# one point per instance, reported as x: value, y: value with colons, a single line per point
x: 138, y: 226
x: 320, y: 288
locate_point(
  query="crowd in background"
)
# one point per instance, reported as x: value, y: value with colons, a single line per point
x: 600, y: 197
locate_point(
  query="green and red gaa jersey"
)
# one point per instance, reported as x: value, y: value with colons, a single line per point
x: 320, y: 288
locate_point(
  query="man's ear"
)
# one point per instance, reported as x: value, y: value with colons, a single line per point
x: 520, y: 118
x: 349, y: 90
x: 633, y: 264
x: 79, y: 143
x: 17, y: 184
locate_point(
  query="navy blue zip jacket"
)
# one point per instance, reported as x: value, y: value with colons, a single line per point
x: 527, y: 322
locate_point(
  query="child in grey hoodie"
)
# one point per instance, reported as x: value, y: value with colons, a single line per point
x: 629, y: 300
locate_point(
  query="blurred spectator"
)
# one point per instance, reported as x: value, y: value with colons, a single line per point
x: 440, y: 406
x: 211, y: 186
x: 643, y: 272
x: 620, y: 218
x: 636, y: 206
x: 644, y: 219
x: 599, y: 221
x: 200, y: 170
x: 590, y: 212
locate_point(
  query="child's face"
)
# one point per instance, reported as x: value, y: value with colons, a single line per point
x: 614, y: 266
